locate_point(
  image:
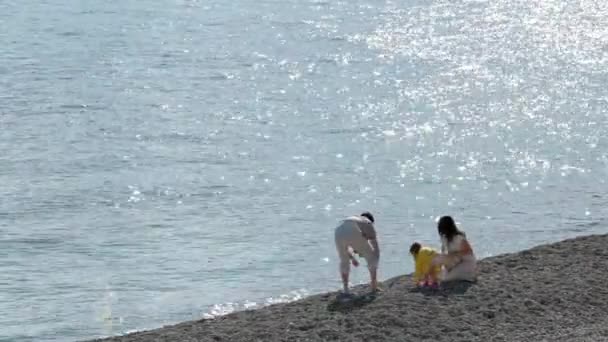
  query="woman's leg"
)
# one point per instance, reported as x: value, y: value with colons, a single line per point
x: 466, y: 270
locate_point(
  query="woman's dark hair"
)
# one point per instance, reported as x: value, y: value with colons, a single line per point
x: 368, y: 215
x: 446, y: 227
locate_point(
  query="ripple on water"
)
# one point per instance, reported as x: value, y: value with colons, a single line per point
x: 143, y: 181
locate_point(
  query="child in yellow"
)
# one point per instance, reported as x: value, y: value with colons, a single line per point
x: 423, y: 257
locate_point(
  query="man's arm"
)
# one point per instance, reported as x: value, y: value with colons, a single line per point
x: 375, y: 247
x: 369, y: 233
x: 352, y: 258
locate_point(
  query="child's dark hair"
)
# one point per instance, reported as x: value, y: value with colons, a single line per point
x: 415, y: 248
x: 368, y: 215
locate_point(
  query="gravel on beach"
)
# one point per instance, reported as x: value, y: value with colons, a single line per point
x: 552, y: 292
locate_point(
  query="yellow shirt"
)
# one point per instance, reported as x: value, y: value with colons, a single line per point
x: 423, y: 263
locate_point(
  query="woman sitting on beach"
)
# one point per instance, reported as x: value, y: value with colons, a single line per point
x: 457, y: 255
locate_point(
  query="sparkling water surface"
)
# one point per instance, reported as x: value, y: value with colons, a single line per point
x: 168, y: 160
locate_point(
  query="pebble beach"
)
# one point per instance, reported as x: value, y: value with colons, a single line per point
x: 552, y: 292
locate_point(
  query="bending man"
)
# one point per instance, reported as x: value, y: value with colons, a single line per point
x: 358, y: 233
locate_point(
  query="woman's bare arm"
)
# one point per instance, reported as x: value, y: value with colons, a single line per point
x: 465, y: 248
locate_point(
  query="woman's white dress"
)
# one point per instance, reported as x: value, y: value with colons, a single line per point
x: 466, y: 268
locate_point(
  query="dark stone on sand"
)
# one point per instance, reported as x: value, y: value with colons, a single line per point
x: 553, y: 292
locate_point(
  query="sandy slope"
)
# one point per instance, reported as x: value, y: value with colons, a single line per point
x: 552, y: 292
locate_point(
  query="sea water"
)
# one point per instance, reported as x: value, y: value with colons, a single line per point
x: 177, y: 159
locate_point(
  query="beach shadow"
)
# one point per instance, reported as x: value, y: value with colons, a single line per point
x: 346, y: 303
x: 455, y: 287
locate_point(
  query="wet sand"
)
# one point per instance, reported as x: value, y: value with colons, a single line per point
x: 554, y: 292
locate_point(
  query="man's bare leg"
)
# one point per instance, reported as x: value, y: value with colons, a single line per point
x: 373, y: 273
x: 345, y: 281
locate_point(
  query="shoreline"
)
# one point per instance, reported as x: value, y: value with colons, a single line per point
x: 552, y: 291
